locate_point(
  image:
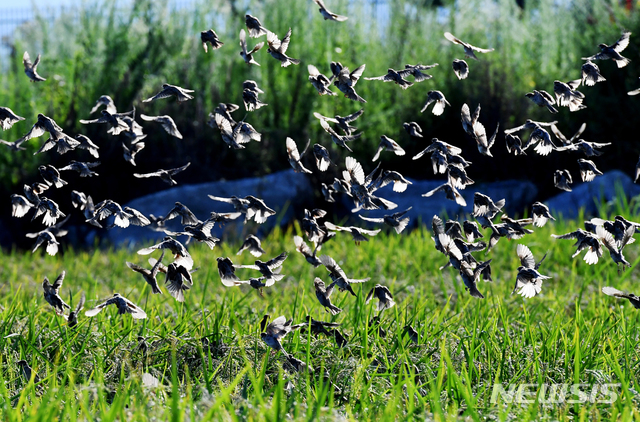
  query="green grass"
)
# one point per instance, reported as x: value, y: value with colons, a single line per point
x: 572, y: 333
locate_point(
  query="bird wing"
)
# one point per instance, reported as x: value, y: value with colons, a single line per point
x: 217, y: 198
x: 328, y: 128
x: 149, y: 118
x: 405, y: 72
x: 136, y: 311
x: 26, y: 60
x: 178, y: 169
x: 165, y: 93
x: 481, y: 50
x: 292, y: 149
x: 547, y: 96
x: 465, y: 114
x: 619, y: 45
x: 535, y: 267
x: 95, y: 311
x: 250, y: 267
x: 369, y: 232
x: 136, y: 217
x: 353, y: 116
x: 596, y: 56
x: 58, y: 283
x: 450, y: 247
x: 574, y: 84
x: 36, y: 131
x: 284, y: 44
x: 606, y: 238
x: 515, y: 129
x: 380, y: 148
x: 146, y: 175
x: 45, y: 284
x: 453, y: 39
x: 373, y: 220
x: 80, y: 303
x: 612, y: 291
x: 453, y: 150
x: 492, y: 140
x: 98, y: 120
x: 572, y: 235
x: 157, y: 265
x: 272, y: 39
x: 423, y: 152
x: 148, y: 250
x: 256, y: 48
x: 437, y: 225
x: 579, y: 132
x: 525, y: 255
x: 370, y: 295
x: 330, y: 264
x: 627, y: 236
x: 277, y: 261
x: 355, y: 75
x: 355, y: 170
x: 336, y: 68
x: 324, y: 118
x: 329, y: 288
x: 276, y: 327
x: 136, y: 267
x: 91, y: 165
x: 480, y: 133
x: 302, y: 246
x: 379, y: 78
x: 34, y: 235
x: 319, y: 285
x: 358, y: 280
x: 334, y: 227
x: 560, y: 135
x: 183, y: 90
x: 243, y: 41
x: 15, y: 144
x: 228, y: 282
x: 432, y: 191
x: 313, y: 71
x: 599, y: 221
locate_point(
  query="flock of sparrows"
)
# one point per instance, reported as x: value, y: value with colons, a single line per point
x: 457, y: 241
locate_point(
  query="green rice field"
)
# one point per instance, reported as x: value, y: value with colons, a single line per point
x: 208, y: 361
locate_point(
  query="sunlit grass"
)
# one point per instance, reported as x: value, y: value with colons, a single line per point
x: 570, y: 334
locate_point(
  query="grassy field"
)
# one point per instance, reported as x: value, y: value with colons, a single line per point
x: 570, y: 334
